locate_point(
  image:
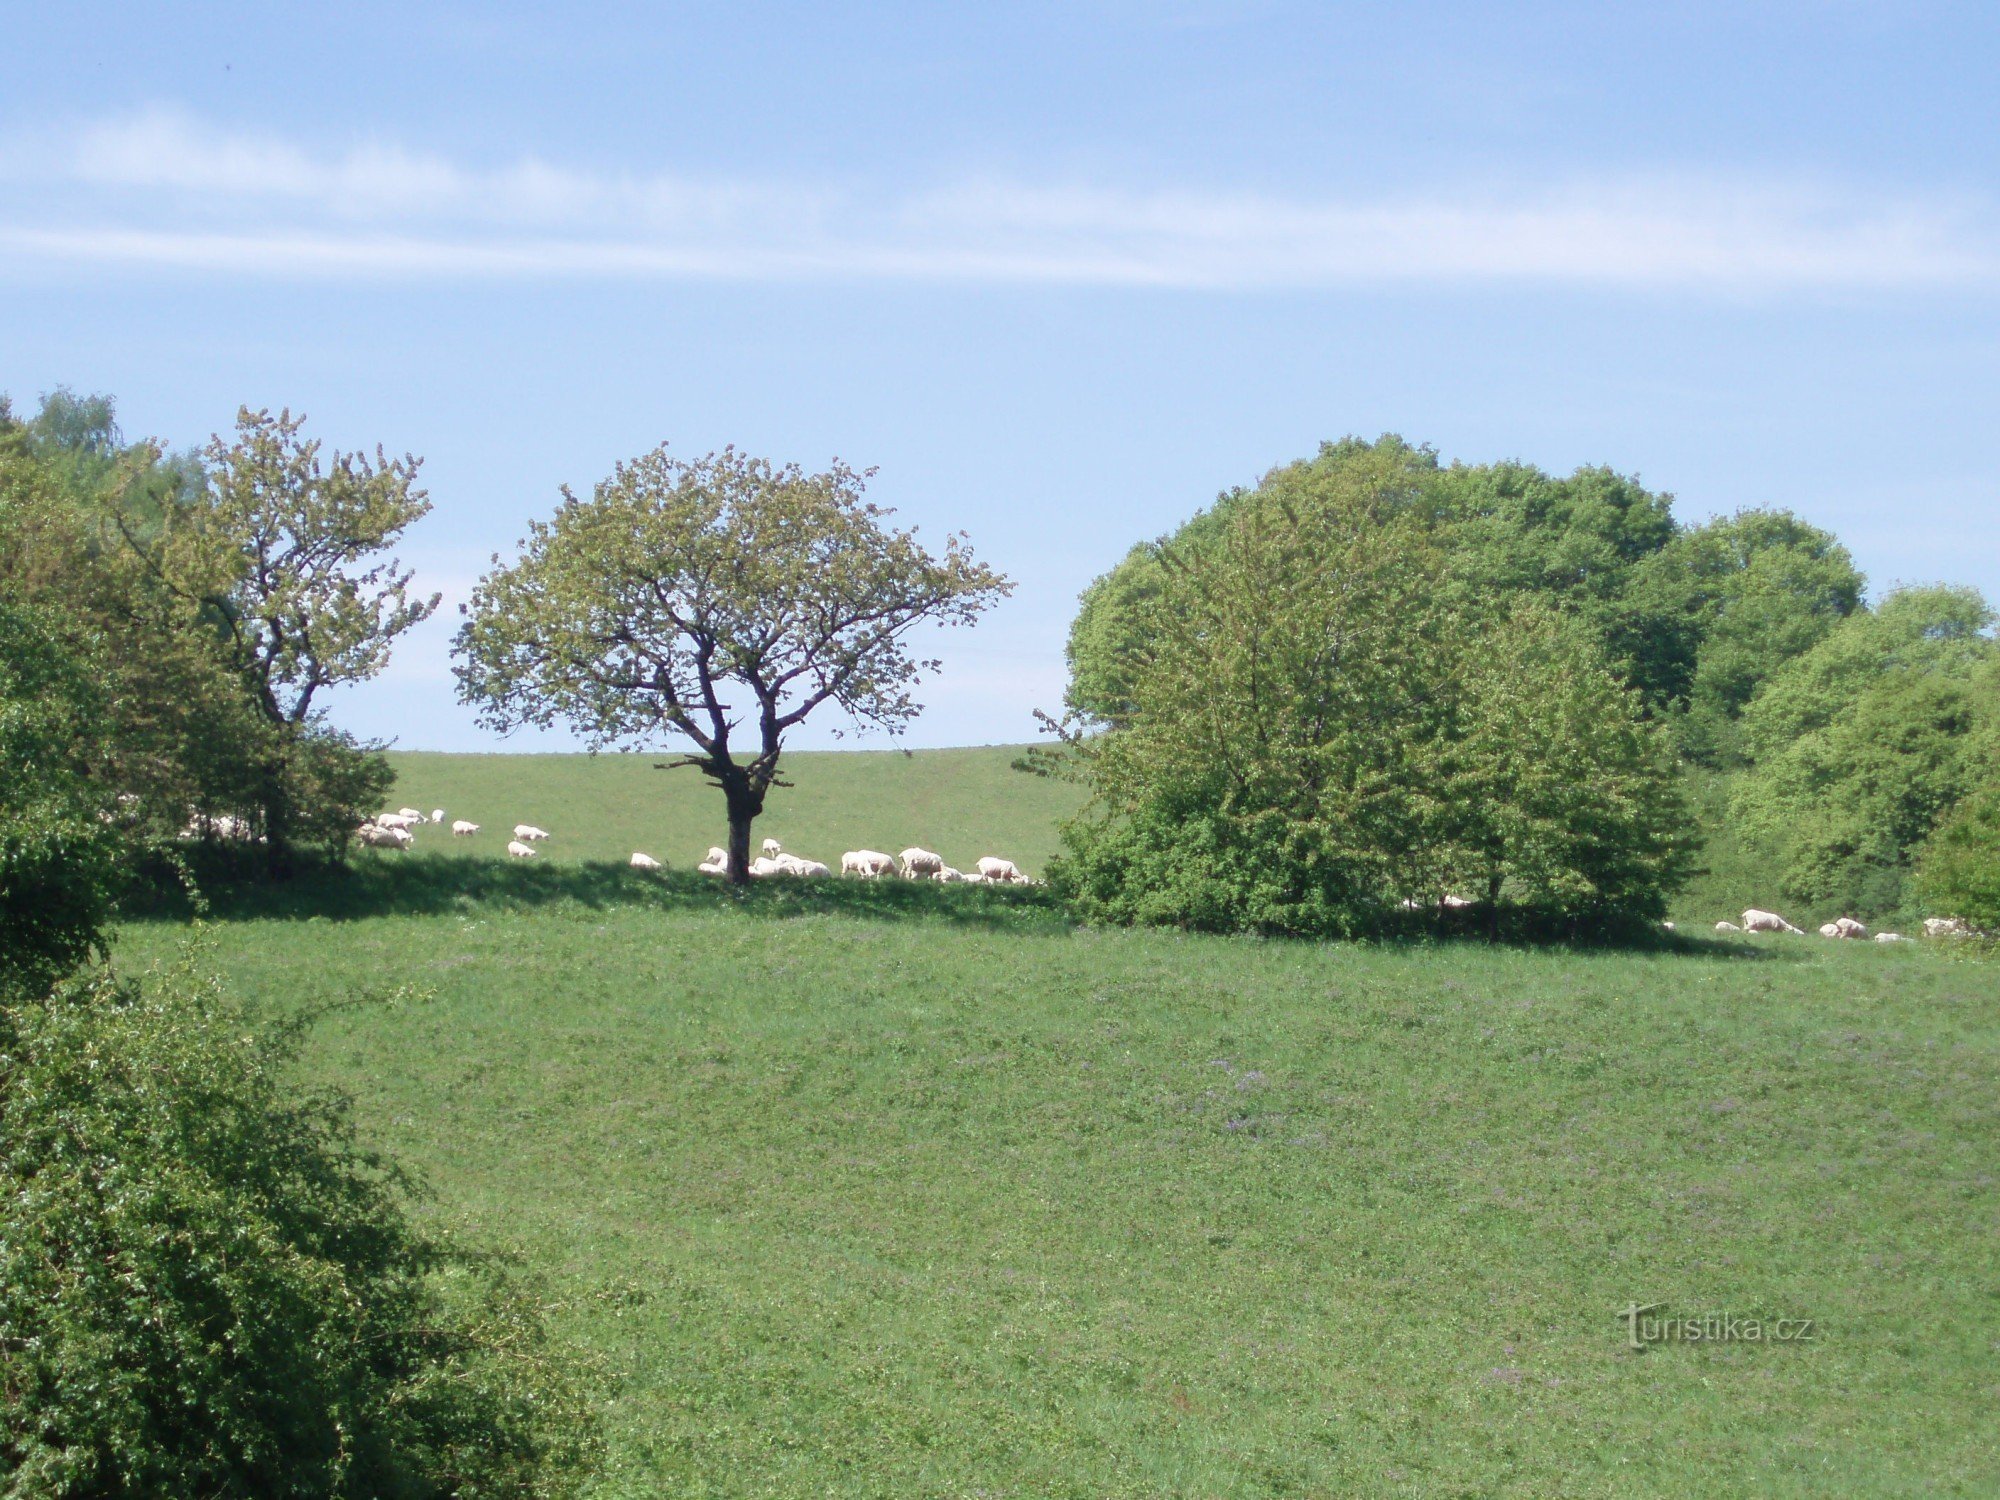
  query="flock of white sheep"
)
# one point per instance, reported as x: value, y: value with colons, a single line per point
x: 396, y: 830
x: 1757, y: 920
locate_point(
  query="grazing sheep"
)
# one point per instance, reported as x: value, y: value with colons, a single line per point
x: 1890, y: 937
x: 1668, y: 927
x: 717, y: 856
x: 1767, y: 921
x: 414, y: 814
x: 948, y: 876
x: 530, y: 832
x: 644, y: 862
x: 806, y: 869
x: 772, y: 848
x: 1827, y: 929
x: 378, y: 837
x: 437, y: 815
x: 520, y: 850
x: 1946, y: 927
x: 999, y: 871
x: 1849, y: 928
x: 464, y: 830
x: 867, y: 863
x: 710, y: 867
x: 395, y: 820
x: 1727, y: 927
x: 920, y: 862
x: 761, y: 867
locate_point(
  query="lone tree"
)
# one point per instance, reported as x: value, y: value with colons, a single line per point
x: 696, y: 599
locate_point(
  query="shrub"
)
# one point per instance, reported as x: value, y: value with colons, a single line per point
x: 58, y: 857
x: 208, y: 1288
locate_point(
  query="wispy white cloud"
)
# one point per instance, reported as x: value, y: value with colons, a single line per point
x: 163, y: 190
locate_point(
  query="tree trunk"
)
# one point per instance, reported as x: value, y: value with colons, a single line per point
x: 278, y: 822
x: 745, y: 802
x: 739, y: 845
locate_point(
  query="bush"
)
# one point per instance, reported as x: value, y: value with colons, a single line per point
x: 58, y: 857
x: 207, y: 1287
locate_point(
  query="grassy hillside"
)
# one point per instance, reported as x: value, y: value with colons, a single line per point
x: 962, y: 803
x: 921, y: 1192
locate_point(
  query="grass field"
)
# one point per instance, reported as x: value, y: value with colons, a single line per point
x: 897, y: 1190
x: 961, y: 803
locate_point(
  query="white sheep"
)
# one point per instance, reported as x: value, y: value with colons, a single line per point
x: 644, y: 862
x: 464, y: 830
x: 710, y: 867
x: 1755, y: 920
x: 520, y: 850
x: 1727, y: 927
x: 414, y: 814
x: 868, y: 863
x: 1889, y: 937
x: 918, y: 862
x: 717, y: 856
x: 772, y: 848
x: 1935, y: 927
x: 437, y: 815
x: 999, y: 871
x: 529, y: 832
x: 376, y: 836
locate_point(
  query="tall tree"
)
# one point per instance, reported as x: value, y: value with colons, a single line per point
x: 692, y: 599
x: 1861, y: 746
x: 279, y: 550
x: 1726, y: 604
x: 1319, y: 737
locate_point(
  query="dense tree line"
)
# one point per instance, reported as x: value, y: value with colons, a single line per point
x: 215, y: 594
x: 1337, y: 693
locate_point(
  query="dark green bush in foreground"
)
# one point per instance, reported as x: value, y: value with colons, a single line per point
x: 208, y: 1288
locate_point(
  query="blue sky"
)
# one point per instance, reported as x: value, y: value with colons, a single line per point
x: 1062, y: 272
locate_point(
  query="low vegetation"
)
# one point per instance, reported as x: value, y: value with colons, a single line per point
x: 944, y: 1195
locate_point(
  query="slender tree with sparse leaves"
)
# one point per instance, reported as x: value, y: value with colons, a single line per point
x: 720, y: 602
x: 280, y: 550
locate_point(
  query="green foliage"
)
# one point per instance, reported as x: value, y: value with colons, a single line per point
x: 181, y: 734
x: 1317, y: 737
x: 58, y: 854
x: 208, y: 1287
x: 276, y: 552
x: 1959, y: 874
x: 1732, y: 601
x: 1863, y: 744
x: 1111, y: 633
x: 1558, y: 798
x: 1576, y: 543
x: 684, y: 599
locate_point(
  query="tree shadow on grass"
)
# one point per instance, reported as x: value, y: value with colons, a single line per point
x: 393, y: 885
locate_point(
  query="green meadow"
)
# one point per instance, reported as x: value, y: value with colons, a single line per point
x: 877, y: 1189
x: 960, y: 803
